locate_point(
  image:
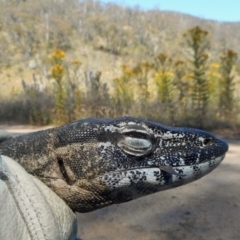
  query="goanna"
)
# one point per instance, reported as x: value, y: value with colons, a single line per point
x: 94, y: 163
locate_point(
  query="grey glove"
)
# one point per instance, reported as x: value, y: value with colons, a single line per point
x: 29, y: 209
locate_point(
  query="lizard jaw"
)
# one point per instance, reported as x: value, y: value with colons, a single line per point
x: 162, y: 177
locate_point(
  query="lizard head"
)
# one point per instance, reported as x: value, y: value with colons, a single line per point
x: 117, y: 160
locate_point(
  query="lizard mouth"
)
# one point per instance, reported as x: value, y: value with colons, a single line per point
x: 177, y: 170
x: 203, y: 167
x: 160, y: 176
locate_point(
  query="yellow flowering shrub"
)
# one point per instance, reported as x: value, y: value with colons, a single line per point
x: 58, y: 54
x: 57, y: 72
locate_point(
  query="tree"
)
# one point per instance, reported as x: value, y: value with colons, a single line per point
x: 226, y: 84
x: 197, y: 41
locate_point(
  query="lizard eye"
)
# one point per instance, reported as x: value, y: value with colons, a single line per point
x: 135, y: 141
x: 135, y: 146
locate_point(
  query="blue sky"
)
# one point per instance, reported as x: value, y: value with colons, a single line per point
x: 220, y: 10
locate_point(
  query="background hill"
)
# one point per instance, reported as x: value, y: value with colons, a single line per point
x: 31, y: 29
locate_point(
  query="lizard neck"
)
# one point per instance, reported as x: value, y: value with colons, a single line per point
x: 32, y: 150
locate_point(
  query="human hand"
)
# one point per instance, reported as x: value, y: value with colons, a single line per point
x: 28, y: 208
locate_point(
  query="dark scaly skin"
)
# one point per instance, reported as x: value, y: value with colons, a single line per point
x: 94, y: 163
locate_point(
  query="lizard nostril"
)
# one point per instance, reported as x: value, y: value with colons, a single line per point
x: 207, y: 141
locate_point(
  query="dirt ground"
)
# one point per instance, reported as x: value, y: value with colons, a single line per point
x: 208, y: 209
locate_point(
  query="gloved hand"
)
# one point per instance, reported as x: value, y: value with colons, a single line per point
x: 29, y: 209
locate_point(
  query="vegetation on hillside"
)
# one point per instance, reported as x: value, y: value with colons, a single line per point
x: 169, y: 69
